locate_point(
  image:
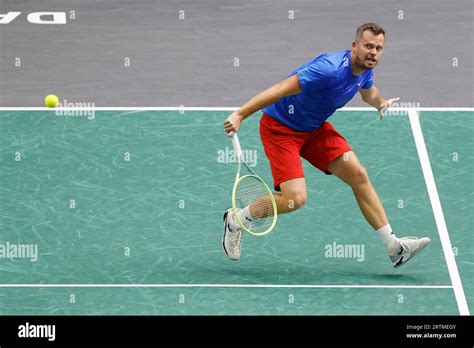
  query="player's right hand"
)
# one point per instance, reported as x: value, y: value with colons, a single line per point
x: 232, y: 123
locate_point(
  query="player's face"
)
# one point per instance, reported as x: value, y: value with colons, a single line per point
x: 368, y: 50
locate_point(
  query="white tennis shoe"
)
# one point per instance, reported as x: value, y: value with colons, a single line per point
x: 232, y: 239
x: 407, y: 248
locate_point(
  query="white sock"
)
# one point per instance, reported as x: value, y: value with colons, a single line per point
x: 244, y: 215
x: 387, y: 237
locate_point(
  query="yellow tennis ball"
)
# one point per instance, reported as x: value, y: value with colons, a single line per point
x: 51, y: 101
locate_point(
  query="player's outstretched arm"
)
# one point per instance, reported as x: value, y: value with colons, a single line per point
x: 373, y: 97
x: 285, y: 88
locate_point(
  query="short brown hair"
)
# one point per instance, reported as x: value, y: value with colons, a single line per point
x: 374, y: 28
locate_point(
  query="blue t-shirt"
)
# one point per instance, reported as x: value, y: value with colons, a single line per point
x: 327, y: 83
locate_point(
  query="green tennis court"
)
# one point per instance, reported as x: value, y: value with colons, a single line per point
x: 124, y: 212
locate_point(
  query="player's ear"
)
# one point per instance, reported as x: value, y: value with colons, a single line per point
x: 354, y: 44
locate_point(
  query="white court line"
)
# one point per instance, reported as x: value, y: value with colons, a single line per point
x: 210, y: 108
x: 438, y: 212
x: 225, y: 286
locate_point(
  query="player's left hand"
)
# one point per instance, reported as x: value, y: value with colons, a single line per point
x: 385, y: 105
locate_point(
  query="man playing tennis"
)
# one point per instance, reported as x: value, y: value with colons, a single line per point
x: 294, y: 125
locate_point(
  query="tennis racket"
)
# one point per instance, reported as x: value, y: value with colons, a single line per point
x: 251, y: 191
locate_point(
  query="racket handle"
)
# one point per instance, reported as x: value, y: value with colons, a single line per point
x: 236, y: 143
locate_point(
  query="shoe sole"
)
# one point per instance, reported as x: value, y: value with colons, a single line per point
x: 223, y: 237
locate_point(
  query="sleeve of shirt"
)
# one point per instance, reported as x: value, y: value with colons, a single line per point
x: 369, y: 82
x: 315, y: 76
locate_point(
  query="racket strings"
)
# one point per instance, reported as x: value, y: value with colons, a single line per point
x: 250, y: 191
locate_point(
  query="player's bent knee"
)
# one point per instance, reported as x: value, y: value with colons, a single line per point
x: 296, y: 201
x: 361, y: 176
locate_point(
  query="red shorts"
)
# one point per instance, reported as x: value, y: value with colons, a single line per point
x: 284, y: 147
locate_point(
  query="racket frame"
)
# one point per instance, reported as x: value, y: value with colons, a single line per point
x: 238, y: 178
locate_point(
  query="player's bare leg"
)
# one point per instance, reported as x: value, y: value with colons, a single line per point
x: 292, y: 197
x: 348, y: 168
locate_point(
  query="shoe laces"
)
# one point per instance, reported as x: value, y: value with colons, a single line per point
x: 235, y: 241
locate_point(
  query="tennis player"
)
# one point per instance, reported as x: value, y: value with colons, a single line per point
x: 294, y: 126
